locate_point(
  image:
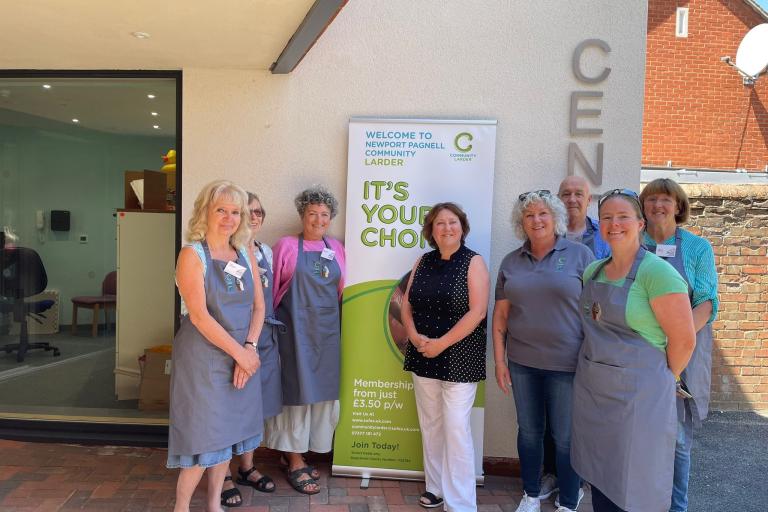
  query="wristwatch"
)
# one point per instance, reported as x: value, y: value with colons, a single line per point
x: 253, y: 344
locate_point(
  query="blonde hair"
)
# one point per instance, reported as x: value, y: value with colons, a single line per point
x: 212, y: 193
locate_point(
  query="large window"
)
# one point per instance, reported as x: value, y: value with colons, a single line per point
x: 81, y: 216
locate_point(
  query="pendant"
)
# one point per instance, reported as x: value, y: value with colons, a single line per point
x: 596, y: 312
x: 264, y: 281
x: 326, y: 271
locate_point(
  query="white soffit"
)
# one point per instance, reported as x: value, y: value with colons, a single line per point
x: 87, y: 34
x: 736, y: 177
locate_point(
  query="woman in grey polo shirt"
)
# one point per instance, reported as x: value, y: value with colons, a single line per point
x: 536, y: 338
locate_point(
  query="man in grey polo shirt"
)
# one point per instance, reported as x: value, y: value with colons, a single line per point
x: 575, y: 194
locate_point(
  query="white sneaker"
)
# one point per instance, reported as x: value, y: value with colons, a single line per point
x: 578, y: 502
x: 528, y: 504
x: 548, y: 486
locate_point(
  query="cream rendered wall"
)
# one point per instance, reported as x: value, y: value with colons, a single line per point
x: 504, y: 60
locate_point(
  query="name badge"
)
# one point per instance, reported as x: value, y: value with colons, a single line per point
x: 666, y: 251
x: 328, y: 254
x: 234, y: 269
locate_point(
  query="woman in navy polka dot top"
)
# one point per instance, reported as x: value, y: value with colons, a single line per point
x: 444, y: 311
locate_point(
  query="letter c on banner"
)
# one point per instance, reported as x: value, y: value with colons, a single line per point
x: 576, y: 64
x: 463, y: 135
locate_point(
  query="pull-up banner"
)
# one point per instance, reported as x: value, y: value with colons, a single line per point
x: 398, y: 169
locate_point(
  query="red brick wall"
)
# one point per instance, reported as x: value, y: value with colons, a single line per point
x: 697, y: 112
x: 734, y: 218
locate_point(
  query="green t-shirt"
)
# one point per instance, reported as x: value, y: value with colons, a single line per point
x: 655, y: 277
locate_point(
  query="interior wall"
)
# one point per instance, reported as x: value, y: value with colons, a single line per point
x: 47, y: 165
x: 510, y: 61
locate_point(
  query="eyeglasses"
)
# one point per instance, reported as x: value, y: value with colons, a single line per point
x: 619, y: 192
x: 540, y: 193
x: 257, y: 212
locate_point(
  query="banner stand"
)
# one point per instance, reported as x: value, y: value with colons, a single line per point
x: 398, y: 169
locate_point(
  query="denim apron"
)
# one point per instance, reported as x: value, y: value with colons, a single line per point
x: 271, y: 386
x: 698, y: 374
x: 207, y: 413
x: 624, y: 420
x: 310, y: 345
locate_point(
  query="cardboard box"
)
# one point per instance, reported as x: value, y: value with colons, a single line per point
x: 155, y: 191
x: 155, y: 381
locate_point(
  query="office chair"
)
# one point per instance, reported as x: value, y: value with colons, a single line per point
x: 22, y: 275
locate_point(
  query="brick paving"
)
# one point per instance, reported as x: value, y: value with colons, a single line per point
x: 50, y: 477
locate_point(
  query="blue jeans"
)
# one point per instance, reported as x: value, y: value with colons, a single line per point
x: 542, y: 395
x: 682, y: 465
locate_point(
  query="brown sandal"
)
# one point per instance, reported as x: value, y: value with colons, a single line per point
x: 301, y: 485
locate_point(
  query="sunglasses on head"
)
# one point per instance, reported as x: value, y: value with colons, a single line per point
x: 540, y: 193
x: 619, y: 192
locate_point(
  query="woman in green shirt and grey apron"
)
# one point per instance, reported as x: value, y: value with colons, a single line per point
x: 638, y: 338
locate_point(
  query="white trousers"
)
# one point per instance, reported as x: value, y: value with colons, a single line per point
x: 300, y: 428
x: 449, y: 456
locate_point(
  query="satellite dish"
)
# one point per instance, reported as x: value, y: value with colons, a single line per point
x: 752, y: 55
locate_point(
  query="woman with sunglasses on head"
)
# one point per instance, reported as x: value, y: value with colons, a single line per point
x: 638, y: 337
x: 536, y: 338
x: 666, y: 206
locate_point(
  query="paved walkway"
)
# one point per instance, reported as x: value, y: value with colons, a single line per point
x: 50, y: 477
x: 730, y: 460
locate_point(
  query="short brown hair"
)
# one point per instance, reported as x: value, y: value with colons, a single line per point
x: 254, y: 197
x: 426, y: 231
x: 671, y: 188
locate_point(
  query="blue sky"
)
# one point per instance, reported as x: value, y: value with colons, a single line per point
x: 763, y: 4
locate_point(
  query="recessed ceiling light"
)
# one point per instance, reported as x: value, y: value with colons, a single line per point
x: 75, y: 120
x: 156, y: 127
x: 46, y: 86
x: 151, y: 96
x: 153, y: 113
x: 140, y: 35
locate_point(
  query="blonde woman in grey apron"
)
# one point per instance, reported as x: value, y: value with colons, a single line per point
x: 666, y: 206
x: 215, y: 406
x: 638, y: 337
x: 308, y: 280
x: 272, y: 395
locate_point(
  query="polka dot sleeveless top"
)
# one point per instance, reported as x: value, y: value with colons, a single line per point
x: 439, y: 297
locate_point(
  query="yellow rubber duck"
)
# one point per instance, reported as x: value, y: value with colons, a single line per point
x: 170, y: 161
x: 170, y: 168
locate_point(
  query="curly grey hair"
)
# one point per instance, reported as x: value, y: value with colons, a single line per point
x: 316, y: 194
x: 551, y: 201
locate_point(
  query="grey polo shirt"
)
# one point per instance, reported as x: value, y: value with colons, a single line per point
x: 544, y: 326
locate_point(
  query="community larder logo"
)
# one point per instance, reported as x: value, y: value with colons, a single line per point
x: 463, y: 144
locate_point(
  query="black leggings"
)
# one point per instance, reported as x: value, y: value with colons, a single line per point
x: 601, y: 503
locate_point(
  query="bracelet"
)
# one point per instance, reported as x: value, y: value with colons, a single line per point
x: 253, y: 344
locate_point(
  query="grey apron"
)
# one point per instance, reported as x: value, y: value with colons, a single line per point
x: 207, y: 413
x: 624, y: 421
x: 310, y: 345
x: 271, y: 389
x: 698, y: 374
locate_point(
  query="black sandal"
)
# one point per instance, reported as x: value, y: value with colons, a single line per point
x: 261, y: 485
x: 301, y: 485
x: 229, y: 494
x: 432, y: 501
x: 314, y: 473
